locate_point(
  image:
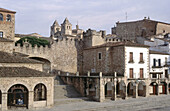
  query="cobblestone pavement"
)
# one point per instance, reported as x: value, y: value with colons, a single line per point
x: 152, y: 103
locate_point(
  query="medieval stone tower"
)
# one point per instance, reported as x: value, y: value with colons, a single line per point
x: 55, y: 28
x: 66, y: 27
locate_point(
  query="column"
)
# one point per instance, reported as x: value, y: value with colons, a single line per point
x: 135, y: 91
x: 158, y: 90
x: 167, y: 88
x: 30, y: 99
x: 4, y: 101
x: 114, y: 96
x: 101, y: 90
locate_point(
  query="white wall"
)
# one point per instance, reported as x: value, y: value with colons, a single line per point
x: 136, y: 65
x: 158, y: 56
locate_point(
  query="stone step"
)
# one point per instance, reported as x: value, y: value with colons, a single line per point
x: 69, y: 100
x: 65, y: 91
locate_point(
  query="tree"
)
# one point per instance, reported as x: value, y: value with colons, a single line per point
x: 33, y: 41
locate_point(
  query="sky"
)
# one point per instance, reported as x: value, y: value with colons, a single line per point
x: 36, y: 16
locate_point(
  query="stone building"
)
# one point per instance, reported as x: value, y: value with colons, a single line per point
x: 22, y: 82
x: 140, y: 28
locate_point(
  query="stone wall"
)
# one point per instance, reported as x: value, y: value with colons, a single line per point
x: 112, y: 59
x: 8, y: 27
x: 131, y: 30
x: 162, y: 28
x: 6, y: 46
x: 64, y: 55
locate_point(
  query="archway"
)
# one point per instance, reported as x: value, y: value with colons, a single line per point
x: 46, y: 63
x: 40, y: 92
x: 108, y: 89
x: 153, y: 88
x: 130, y: 89
x: 18, y: 96
x: 0, y: 97
x: 142, y: 89
x: 164, y: 88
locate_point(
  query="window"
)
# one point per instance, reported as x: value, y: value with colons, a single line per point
x: 1, y: 17
x: 141, y: 58
x: 131, y: 57
x: 159, y: 62
x: 163, y: 31
x: 40, y: 92
x: 154, y: 62
x: 131, y: 72
x: 99, y: 55
x: 1, y: 34
x: 166, y: 73
x: 141, y: 72
x: 8, y: 18
x: 154, y: 75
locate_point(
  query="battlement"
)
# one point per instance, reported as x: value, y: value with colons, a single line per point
x: 90, y: 32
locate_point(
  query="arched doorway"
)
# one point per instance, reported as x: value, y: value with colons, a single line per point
x: 164, y: 88
x: 153, y: 88
x: 108, y: 89
x: 142, y: 89
x: 18, y: 96
x: 40, y: 92
x: 0, y: 97
x: 130, y: 89
x: 46, y: 63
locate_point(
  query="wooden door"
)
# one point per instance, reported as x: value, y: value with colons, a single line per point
x: 163, y: 89
x: 154, y: 90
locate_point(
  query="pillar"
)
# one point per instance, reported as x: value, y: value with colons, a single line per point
x: 30, y: 99
x: 167, y: 89
x: 4, y: 101
x: 135, y: 91
x: 101, y: 90
x: 114, y: 96
x: 158, y: 90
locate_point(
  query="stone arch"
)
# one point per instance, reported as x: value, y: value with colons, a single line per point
x: 46, y: 63
x: 108, y: 89
x: 18, y: 96
x: 12, y: 83
x: 164, y: 88
x: 142, y: 89
x: 153, y: 88
x: 40, y: 92
x: 130, y: 89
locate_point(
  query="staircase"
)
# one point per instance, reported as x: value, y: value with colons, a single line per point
x: 64, y: 94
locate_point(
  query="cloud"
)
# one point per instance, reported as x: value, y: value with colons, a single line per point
x: 38, y: 15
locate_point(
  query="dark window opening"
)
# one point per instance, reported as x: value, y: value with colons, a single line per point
x: 100, y: 56
x: 166, y: 73
x: 8, y: 18
x: 159, y: 62
x: 0, y: 97
x: 1, y: 34
x: 154, y: 62
x: 1, y: 17
x: 154, y: 75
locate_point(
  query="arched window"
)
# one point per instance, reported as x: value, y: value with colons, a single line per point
x: 1, y: 17
x: 1, y: 34
x: 40, y: 92
x: 8, y: 18
x: 0, y: 97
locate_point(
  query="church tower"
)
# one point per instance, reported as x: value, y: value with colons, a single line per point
x: 66, y: 27
x: 54, y: 29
